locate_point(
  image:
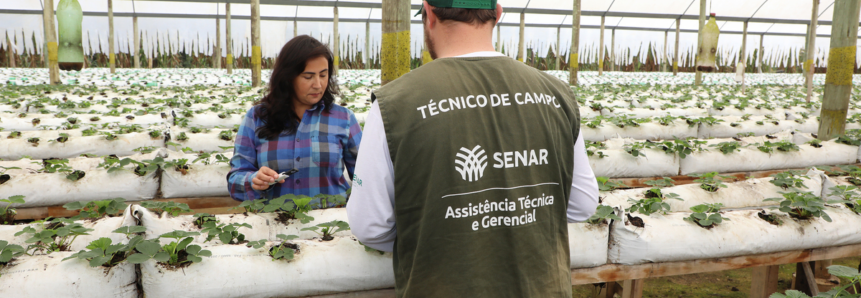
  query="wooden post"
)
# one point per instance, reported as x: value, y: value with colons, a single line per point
x: 633, y: 288
x: 558, y: 32
x: 256, y: 54
x: 811, y: 48
x: 702, y: 21
x: 521, y: 46
x: 613, y: 50
x: 336, y: 45
x: 498, y: 37
x: 10, y: 51
x: 676, y: 51
x: 841, y: 64
x: 759, y: 55
x: 395, y: 52
x: 111, y: 56
x: 601, y: 50
x: 228, y: 39
x: 367, y: 54
x: 743, y: 53
x: 295, y: 28
x: 574, y: 54
x: 764, y: 281
x: 45, y: 62
x: 666, y: 56
x: 137, y: 44
x: 51, y: 42
x: 216, y: 54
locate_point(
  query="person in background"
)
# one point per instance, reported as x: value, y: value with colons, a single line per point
x: 296, y: 125
x: 472, y: 167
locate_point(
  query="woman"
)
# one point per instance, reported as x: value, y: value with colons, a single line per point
x: 296, y: 125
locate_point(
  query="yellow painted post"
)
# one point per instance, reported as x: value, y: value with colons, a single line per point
x: 51, y: 42
x: 743, y: 61
x: 811, y: 48
x: 702, y: 21
x: 216, y: 53
x: 666, y: 56
x: 137, y: 39
x: 10, y: 51
x: 676, y: 51
x: 498, y: 37
x: 613, y: 50
x: 367, y: 54
x: 111, y: 56
x: 521, y: 47
x: 228, y: 42
x: 759, y: 55
x: 841, y: 64
x: 573, y: 55
x: 395, y: 52
x: 336, y: 45
x: 255, y: 43
x: 601, y: 50
x: 558, y: 31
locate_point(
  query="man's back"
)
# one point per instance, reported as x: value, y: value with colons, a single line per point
x: 481, y: 149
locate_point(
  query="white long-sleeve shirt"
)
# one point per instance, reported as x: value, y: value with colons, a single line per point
x: 371, y: 209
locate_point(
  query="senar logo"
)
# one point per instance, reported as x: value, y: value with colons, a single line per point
x: 471, y: 163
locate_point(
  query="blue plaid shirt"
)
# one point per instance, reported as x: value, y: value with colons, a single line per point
x: 324, y: 143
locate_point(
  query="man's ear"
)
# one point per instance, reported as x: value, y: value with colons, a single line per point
x: 431, y: 16
x: 498, y: 12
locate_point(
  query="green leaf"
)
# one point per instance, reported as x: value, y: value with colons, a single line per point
x: 843, y: 271
x: 162, y: 256
x: 138, y: 258
x: 193, y: 249
x: 149, y: 247
x: 130, y: 230
x: 194, y: 259
x: 98, y: 261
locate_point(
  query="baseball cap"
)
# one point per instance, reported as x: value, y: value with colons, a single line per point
x: 469, y: 4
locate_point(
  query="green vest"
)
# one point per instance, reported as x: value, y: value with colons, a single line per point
x: 482, y: 154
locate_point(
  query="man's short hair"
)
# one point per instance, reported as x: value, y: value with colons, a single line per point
x: 471, y: 16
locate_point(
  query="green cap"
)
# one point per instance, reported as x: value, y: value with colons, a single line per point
x: 469, y: 4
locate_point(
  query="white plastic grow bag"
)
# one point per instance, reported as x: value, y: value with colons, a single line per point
x: 49, y: 276
x: 211, y: 120
x: 124, y: 145
x: 52, y: 189
x: 158, y: 224
x: 202, y: 141
x: 646, y: 131
x: 103, y: 227
x: 726, y: 130
x: 320, y: 267
x: 669, y: 238
x: 199, y: 181
x: 752, y: 159
x: 619, y: 163
x: 588, y: 244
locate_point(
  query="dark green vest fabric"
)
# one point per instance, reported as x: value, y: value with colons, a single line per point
x: 482, y: 154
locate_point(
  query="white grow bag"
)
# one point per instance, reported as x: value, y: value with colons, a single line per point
x: 669, y: 238
x: 752, y: 159
x: 76, y: 145
x: 103, y: 227
x: 202, y: 141
x: 646, y: 131
x: 158, y: 224
x: 199, y: 181
x: 320, y: 267
x: 619, y: 164
x: 52, y: 189
x: 49, y: 276
x: 211, y: 120
x: 588, y: 244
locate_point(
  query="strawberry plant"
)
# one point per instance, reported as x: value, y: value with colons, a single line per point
x: 801, y: 205
x: 6, y: 177
x: 327, y: 229
x: 281, y: 251
x: 177, y: 253
x: 102, y: 251
x: 34, y: 141
x: 636, y: 149
x: 657, y: 193
x: 145, y: 149
x: 89, y: 132
x: 64, y: 137
x: 14, y: 135
x: 226, y: 233
x: 604, y: 184
x: 113, y: 164
x: 786, y: 146
x: 706, y: 215
x: 8, y: 214
x: 711, y: 182
x: 182, y: 137
x: 852, y: 275
x: 9, y: 252
x: 172, y: 208
x: 786, y: 180
x: 155, y: 134
x: 593, y: 147
x: 682, y: 147
x: 55, y: 235
x: 602, y: 214
x: 727, y: 147
x: 226, y: 135
x: 649, y: 206
x: 200, y: 219
x: 97, y: 209
x: 663, y: 182
x: 850, y: 196
x: 148, y: 166
x: 815, y: 143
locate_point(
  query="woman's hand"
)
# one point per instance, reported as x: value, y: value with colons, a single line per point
x: 264, y: 176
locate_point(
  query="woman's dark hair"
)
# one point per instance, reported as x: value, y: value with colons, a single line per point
x: 276, y: 107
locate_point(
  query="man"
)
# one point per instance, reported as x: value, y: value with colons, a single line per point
x: 470, y: 166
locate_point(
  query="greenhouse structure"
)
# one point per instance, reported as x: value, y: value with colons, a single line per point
x: 725, y: 137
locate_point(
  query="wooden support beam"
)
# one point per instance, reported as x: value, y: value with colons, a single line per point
x: 613, y: 50
x: 601, y: 50
x: 841, y: 65
x: 521, y: 46
x: 676, y: 51
x: 137, y: 40
x: 633, y: 288
x: 10, y: 51
x: 216, y: 53
x: 760, y: 53
x: 498, y: 37
x: 666, y: 62
x: 256, y: 53
x: 395, y: 52
x: 228, y: 38
x: 112, y: 57
x: 743, y: 55
x: 698, y: 80
x: 810, y: 49
x: 336, y: 42
x: 763, y: 281
x: 574, y: 54
x: 367, y: 53
x: 558, y: 36
x: 51, y: 35
x: 809, y: 279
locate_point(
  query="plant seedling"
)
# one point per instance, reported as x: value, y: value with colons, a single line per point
x: 649, y: 206
x: 179, y: 165
x: 14, y: 135
x: 711, y: 182
x: 9, y: 252
x: 8, y: 214
x: 801, y: 205
x: 155, y: 134
x: 182, y: 137
x: 604, y: 184
x: 226, y: 135
x: 6, y: 177
x: 851, y: 274
x: 172, y: 208
x: 284, y: 250
x: 706, y: 215
x: 226, y: 233
x: 636, y: 149
x: 663, y: 182
x: 602, y: 214
x: 148, y: 165
x: 34, y: 141
x: 727, y: 147
x: 55, y: 236
x: 327, y: 229
x: 657, y: 193
x: 104, y: 253
x: 97, y: 209
x: 786, y: 180
x: 169, y: 254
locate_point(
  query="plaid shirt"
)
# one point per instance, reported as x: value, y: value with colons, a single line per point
x: 323, y: 144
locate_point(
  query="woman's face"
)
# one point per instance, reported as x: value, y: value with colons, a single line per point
x: 311, y: 83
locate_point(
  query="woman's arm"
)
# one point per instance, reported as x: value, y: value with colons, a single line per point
x: 243, y: 164
x: 351, y: 148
